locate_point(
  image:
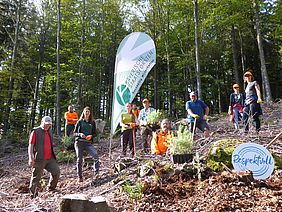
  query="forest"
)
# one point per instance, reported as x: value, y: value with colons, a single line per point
x: 59, y: 53
x: 56, y: 53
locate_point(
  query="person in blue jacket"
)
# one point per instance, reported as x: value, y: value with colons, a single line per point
x: 199, y: 111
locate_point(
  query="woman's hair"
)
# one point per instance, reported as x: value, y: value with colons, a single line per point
x: 249, y: 74
x: 128, y: 103
x: 90, y: 116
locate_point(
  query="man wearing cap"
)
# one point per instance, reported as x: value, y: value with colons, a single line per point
x: 41, y: 156
x: 145, y: 132
x: 198, y: 112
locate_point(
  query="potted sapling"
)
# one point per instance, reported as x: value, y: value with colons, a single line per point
x: 181, y: 146
x: 154, y: 119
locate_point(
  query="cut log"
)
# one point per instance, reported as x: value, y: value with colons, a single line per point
x: 82, y: 203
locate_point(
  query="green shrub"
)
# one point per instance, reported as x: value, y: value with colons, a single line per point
x: 182, y: 143
x: 156, y: 117
x: 133, y: 191
x: 65, y: 156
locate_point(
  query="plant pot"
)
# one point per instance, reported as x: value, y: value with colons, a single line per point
x: 182, y: 158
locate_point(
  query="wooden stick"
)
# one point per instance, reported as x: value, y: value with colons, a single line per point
x: 274, y: 139
x: 194, y: 128
x: 134, y: 141
x: 112, y: 188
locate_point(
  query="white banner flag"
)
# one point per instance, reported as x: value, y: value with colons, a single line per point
x: 135, y: 58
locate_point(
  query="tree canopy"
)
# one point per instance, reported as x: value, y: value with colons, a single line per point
x: 91, y: 31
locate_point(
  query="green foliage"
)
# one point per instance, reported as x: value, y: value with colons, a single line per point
x: 156, y: 117
x: 91, y: 33
x: 65, y: 156
x: 221, y: 152
x: 66, y: 142
x: 277, y: 162
x: 133, y: 191
x: 182, y: 143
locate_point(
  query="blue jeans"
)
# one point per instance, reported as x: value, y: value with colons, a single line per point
x: 252, y: 110
x: 237, y: 114
x: 80, y: 146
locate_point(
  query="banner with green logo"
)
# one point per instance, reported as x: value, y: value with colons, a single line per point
x: 135, y: 58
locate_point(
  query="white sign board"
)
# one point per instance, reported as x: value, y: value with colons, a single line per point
x: 253, y: 157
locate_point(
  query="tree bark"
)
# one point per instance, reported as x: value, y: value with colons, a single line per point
x: 197, y: 51
x: 39, y: 73
x: 12, y: 79
x: 156, y: 96
x: 169, y: 93
x: 235, y: 54
x: 265, y: 80
x: 81, y: 64
x: 58, y: 86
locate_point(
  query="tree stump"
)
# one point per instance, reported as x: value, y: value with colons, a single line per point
x: 82, y: 203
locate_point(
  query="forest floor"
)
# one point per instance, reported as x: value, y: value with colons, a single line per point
x: 177, y: 191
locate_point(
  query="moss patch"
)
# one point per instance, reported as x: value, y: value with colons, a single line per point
x: 221, y: 152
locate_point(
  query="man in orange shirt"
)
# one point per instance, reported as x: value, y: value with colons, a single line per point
x: 159, y: 144
x: 71, y: 118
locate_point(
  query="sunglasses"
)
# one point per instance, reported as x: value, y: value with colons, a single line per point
x: 235, y: 87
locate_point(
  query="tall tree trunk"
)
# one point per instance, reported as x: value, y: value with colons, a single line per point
x: 12, y: 72
x: 197, y: 51
x: 242, y: 53
x: 265, y: 80
x: 235, y: 54
x: 58, y: 118
x: 169, y: 94
x: 81, y: 64
x: 156, y: 96
x: 218, y: 86
x: 39, y: 73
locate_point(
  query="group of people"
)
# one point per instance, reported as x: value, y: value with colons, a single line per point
x: 244, y: 106
x: 155, y: 141
x: 40, y: 149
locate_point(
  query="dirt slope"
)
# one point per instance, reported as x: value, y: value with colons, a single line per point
x: 176, y: 192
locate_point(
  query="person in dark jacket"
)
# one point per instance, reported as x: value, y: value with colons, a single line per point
x: 41, y: 156
x: 84, y: 132
x: 252, y: 108
x: 236, y: 105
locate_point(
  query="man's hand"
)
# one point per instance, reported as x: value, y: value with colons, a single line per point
x: 89, y: 137
x: 196, y: 116
x: 82, y: 135
x: 205, y: 117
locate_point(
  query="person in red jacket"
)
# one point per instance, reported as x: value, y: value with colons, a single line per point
x: 41, y: 156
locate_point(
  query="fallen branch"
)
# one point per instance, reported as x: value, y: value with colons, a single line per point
x: 227, y: 168
x: 274, y: 139
x: 112, y: 188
